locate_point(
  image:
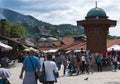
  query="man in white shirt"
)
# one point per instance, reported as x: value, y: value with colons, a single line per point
x: 50, y: 68
x: 83, y: 63
x: 114, y: 58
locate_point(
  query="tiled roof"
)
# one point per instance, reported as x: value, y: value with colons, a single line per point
x: 42, y: 49
x: 57, y: 43
x: 80, y: 44
x: 74, y: 45
x: 113, y: 42
x: 68, y: 40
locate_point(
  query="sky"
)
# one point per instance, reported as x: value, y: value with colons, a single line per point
x: 64, y: 11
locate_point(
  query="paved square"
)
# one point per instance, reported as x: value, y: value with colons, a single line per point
x: 107, y: 77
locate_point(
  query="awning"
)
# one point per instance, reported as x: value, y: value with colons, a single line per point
x: 7, y: 47
x: 31, y: 48
x: 50, y: 51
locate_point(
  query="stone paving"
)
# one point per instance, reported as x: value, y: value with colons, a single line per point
x: 107, y: 77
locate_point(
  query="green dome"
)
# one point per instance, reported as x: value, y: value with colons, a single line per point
x: 96, y: 12
x: 42, y: 39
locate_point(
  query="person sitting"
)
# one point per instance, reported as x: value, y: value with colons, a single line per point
x: 4, y: 61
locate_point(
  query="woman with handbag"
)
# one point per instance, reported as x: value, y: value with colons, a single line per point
x: 50, y: 70
x: 31, y: 64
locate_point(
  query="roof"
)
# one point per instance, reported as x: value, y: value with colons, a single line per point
x: 113, y: 42
x: 57, y: 43
x: 67, y: 40
x: 80, y: 44
x: 74, y: 45
x: 71, y: 44
x: 9, y: 39
x: 42, y: 39
x: 96, y: 12
x: 77, y: 46
x: 52, y: 39
x: 42, y: 49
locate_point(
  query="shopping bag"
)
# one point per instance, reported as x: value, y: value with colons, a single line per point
x: 42, y: 77
x: 56, y: 75
x: 36, y: 76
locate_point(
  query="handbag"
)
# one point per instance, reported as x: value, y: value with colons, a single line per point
x: 4, y: 81
x: 36, y: 74
x: 42, y: 77
x: 56, y: 75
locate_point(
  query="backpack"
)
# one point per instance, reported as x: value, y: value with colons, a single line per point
x: 98, y: 60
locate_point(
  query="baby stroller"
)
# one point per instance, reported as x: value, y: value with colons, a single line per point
x: 4, y: 81
x: 4, y: 74
x: 72, y: 69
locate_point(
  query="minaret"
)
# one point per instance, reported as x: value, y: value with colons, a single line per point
x: 96, y: 26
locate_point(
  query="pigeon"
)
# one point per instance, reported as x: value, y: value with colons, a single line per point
x: 86, y: 78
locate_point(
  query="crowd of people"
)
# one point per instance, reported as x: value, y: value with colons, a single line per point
x: 73, y: 62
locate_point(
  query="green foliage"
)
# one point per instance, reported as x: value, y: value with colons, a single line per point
x: 18, y: 30
x: 112, y: 37
x: 54, y: 32
x: 15, y: 30
x: 109, y: 37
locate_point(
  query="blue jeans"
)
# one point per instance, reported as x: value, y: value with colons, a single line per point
x: 64, y: 69
x: 99, y: 67
x: 59, y: 66
x: 115, y: 65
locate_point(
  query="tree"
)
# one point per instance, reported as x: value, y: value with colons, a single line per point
x: 16, y: 30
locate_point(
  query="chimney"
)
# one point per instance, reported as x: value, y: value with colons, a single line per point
x: 3, y: 26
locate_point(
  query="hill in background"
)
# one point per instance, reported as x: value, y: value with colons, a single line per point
x: 38, y: 28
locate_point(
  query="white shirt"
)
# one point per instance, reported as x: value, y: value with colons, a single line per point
x: 49, y: 67
x: 83, y: 58
x: 114, y: 59
x: 53, y: 56
x: 41, y: 61
x: 87, y: 52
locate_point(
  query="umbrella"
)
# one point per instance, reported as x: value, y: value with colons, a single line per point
x: 115, y: 47
x: 27, y: 50
x: 4, y: 73
x: 35, y: 50
x: 51, y: 50
x: 31, y: 48
x: 5, y: 46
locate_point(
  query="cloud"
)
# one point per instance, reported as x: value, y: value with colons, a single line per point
x: 64, y: 11
x: 12, y: 4
x: 24, y: 0
x: 112, y: 9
